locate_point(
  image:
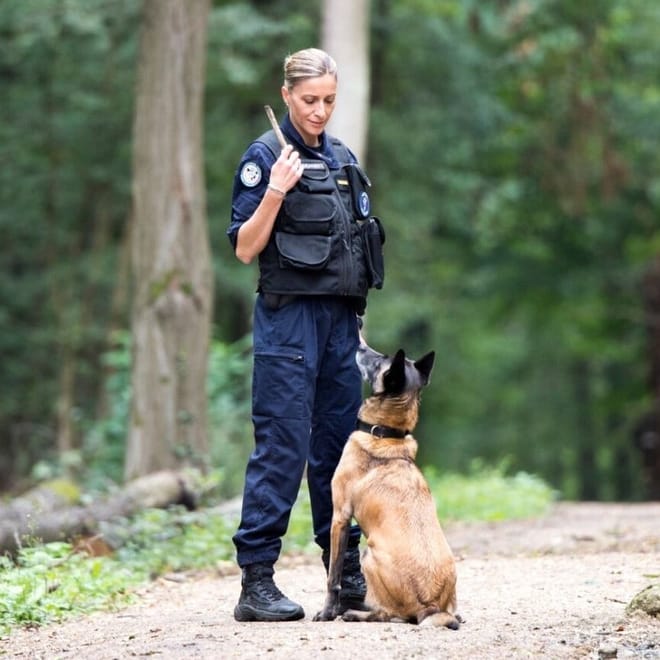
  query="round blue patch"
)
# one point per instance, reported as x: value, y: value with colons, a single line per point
x: 365, y: 204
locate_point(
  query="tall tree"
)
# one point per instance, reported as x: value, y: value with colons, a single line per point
x: 345, y: 35
x: 171, y: 255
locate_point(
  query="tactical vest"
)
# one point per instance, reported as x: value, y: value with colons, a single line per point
x: 320, y: 244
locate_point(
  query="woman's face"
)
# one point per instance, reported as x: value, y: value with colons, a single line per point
x: 311, y: 103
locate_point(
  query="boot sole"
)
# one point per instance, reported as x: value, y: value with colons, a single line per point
x: 246, y: 613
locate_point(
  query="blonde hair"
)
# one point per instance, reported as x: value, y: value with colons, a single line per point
x: 307, y: 63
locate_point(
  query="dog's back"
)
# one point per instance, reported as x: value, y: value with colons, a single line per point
x: 408, y: 565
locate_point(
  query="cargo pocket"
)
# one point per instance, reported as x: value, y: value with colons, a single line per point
x: 279, y: 386
x: 373, y: 238
x: 303, y: 251
x: 304, y: 214
x: 316, y: 178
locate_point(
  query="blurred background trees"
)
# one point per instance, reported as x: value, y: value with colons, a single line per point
x: 513, y: 150
x: 172, y: 273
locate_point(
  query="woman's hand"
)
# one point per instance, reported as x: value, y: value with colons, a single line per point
x: 286, y: 170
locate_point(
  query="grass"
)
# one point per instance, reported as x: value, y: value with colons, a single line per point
x: 486, y: 493
x: 47, y: 583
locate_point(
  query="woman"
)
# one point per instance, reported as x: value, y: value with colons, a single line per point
x: 303, y: 211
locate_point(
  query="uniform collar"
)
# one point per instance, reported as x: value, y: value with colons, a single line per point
x: 323, y: 152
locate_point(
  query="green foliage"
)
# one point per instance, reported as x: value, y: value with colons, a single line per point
x: 51, y: 582
x: 299, y: 537
x: 488, y: 493
x: 514, y: 214
x: 65, y: 120
x: 159, y: 541
x: 104, y: 437
x: 230, y: 421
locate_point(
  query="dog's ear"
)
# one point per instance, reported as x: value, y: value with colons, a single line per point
x: 424, y: 365
x: 394, y: 379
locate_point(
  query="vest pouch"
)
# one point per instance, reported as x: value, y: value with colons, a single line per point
x: 359, y: 184
x: 303, y: 251
x: 306, y: 214
x: 316, y: 177
x: 373, y: 237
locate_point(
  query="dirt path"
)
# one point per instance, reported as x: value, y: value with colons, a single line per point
x: 550, y: 588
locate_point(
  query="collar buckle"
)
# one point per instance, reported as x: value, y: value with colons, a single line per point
x: 381, y: 431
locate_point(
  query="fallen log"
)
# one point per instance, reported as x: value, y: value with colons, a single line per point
x: 48, y: 496
x: 157, y: 490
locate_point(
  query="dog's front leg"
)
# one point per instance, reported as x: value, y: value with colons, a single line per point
x: 338, y: 544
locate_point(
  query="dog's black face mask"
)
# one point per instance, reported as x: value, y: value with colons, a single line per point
x: 394, y: 375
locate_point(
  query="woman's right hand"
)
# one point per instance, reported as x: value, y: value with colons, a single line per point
x: 286, y: 170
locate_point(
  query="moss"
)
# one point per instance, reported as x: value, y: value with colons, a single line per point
x: 647, y: 600
x: 64, y: 488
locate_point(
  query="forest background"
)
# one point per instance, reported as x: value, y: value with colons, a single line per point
x: 513, y: 150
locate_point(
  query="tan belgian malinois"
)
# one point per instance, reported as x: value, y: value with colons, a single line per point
x: 408, y: 565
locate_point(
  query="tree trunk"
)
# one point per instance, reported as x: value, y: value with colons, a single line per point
x: 345, y: 35
x: 171, y: 256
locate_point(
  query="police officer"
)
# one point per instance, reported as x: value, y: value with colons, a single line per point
x: 301, y: 210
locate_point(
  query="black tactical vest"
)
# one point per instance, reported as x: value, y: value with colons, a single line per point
x: 319, y: 245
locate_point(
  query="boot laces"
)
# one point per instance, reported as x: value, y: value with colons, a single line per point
x: 268, y: 590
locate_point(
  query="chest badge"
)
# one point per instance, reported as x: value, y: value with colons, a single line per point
x: 250, y: 174
x: 365, y: 204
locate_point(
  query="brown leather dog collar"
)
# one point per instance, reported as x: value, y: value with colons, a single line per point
x: 379, y: 431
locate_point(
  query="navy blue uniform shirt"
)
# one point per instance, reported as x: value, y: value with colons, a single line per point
x: 253, y: 173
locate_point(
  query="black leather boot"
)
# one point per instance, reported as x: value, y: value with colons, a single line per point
x: 261, y: 600
x: 353, y: 585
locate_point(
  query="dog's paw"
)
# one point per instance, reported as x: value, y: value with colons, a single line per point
x: 325, y: 615
x: 362, y: 615
x: 445, y: 619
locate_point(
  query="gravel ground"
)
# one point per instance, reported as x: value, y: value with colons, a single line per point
x: 554, y: 587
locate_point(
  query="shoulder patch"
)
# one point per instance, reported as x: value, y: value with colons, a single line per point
x: 250, y: 174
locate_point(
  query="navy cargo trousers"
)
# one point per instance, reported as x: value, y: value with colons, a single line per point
x: 306, y: 393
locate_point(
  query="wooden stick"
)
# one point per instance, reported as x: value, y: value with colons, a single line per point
x: 282, y: 140
x: 276, y: 127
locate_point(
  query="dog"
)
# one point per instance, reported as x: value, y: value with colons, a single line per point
x: 408, y: 566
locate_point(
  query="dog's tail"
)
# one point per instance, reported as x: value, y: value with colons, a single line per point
x: 432, y: 616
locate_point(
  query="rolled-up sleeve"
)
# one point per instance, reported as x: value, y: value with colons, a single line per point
x: 250, y: 182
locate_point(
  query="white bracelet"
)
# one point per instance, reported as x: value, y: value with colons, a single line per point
x: 275, y: 189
